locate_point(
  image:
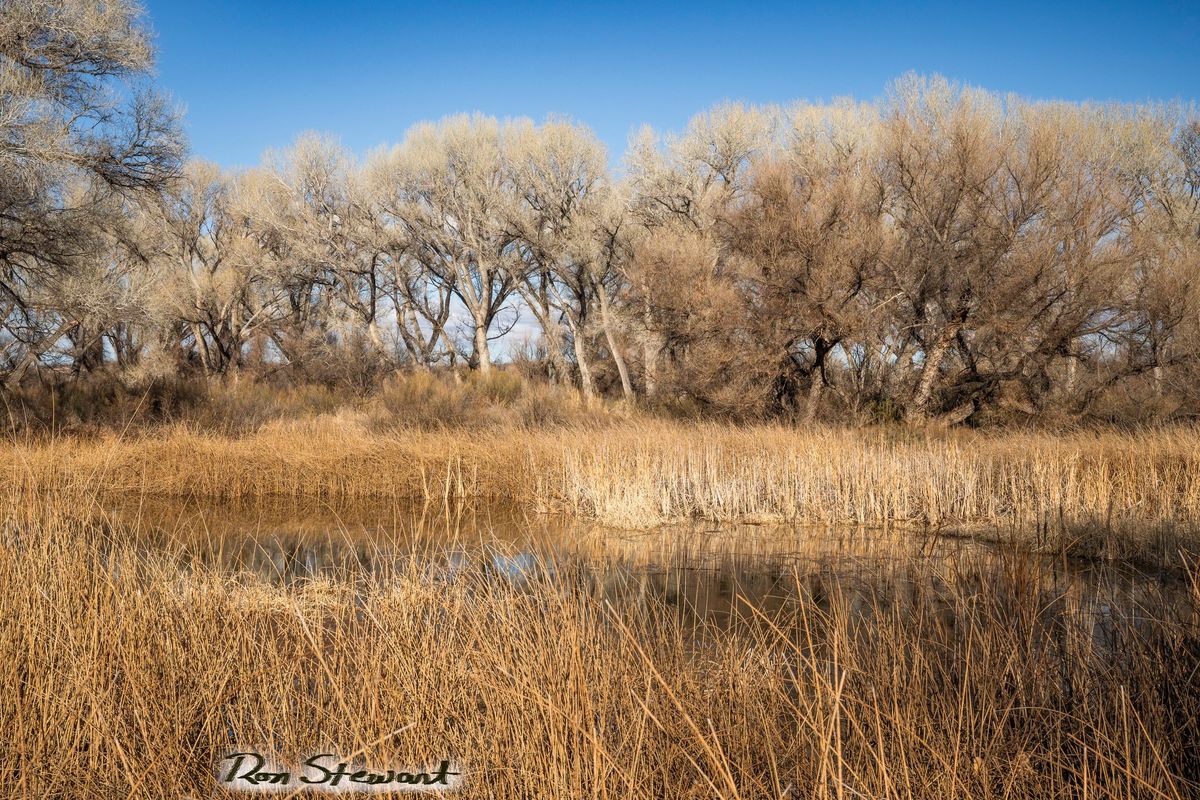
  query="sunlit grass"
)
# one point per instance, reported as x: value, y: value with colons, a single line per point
x: 122, y: 675
x: 640, y: 473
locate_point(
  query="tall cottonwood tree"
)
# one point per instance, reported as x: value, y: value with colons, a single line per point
x: 218, y: 288
x: 74, y: 152
x: 810, y: 240
x: 455, y: 198
x: 680, y: 192
x: 1013, y: 246
x: 560, y: 174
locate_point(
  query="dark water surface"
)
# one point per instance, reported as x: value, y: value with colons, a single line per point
x: 705, y: 573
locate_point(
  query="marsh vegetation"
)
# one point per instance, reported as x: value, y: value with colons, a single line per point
x: 559, y: 660
x: 625, y: 607
x: 849, y: 450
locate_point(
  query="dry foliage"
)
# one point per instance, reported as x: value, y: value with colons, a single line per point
x: 945, y: 253
x: 1120, y: 495
x: 132, y: 678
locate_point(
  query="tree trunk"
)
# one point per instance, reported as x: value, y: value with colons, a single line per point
x: 375, y: 337
x: 481, y: 356
x: 552, y: 335
x: 614, y: 348
x: 918, y: 406
x: 651, y: 348
x: 201, y: 349
x: 815, y: 391
x: 622, y: 367
x: 33, y: 354
x: 585, y: 371
x: 816, y: 388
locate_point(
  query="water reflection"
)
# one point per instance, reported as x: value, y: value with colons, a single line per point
x: 706, y: 575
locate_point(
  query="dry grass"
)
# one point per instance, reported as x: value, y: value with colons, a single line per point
x: 643, y: 473
x: 122, y: 675
x: 127, y: 670
x: 102, y: 404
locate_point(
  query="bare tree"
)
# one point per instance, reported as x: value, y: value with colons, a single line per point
x: 1013, y: 249
x: 215, y: 280
x: 560, y: 173
x: 811, y: 239
x: 945, y: 254
x: 72, y: 153
x: 680, y: 192
x: 454, y: 196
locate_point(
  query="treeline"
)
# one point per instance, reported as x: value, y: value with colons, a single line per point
x: 943, y: 253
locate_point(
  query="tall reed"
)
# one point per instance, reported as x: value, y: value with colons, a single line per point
x: 123, y: 675
x: 643, y: 473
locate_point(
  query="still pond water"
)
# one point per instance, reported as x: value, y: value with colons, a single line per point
x: 706, y: 574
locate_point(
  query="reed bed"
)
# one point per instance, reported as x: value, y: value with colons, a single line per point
x: 644, y: 473
x: 123, y: 675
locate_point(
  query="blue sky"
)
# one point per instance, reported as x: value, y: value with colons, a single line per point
x: 253, y: 74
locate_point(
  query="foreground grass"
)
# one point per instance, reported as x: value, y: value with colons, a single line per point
x: 122, y: 675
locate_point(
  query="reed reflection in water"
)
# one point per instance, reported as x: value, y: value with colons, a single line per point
x: 705, y: 574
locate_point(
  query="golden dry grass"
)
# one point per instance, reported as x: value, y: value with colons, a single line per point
x: 123, y: 675
x: 644, y: 473
x: 126, y: 672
